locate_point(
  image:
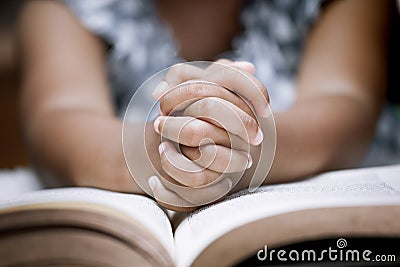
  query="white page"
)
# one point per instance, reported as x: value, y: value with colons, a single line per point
x: 362, y: 187
x: 18, y: 181
x: 140, y: 208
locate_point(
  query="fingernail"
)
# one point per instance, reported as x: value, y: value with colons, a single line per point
x: 156, y: 124
x: 161, y: 148
x: 259, y: 137
x: 249, y: 161
x: 152, y: 182
x: 244, y: 64
x: 159, y: 89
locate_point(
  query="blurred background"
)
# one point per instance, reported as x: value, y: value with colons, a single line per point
x: 11, y: 146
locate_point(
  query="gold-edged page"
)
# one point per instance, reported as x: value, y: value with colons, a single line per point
x: 369, y: 187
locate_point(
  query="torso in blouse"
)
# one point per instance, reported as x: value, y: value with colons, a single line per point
x: 268, y: 33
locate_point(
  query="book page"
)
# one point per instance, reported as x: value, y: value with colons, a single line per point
x: 18, y: 181
x: 361, y: 187
x: 140, y: 208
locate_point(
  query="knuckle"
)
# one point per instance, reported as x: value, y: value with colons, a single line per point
x: 240, y: 163
x: 194, y: 133
x: 224, y: 61
x: 166, y: 165
x: 175, y: 70
x: 199, y: 179
x: 230, y: 71
x: 201, y: 89
x: 202, y: 178
x: 193, y: 90
x: 249, y: 123
x: 167, y: 101
x: 205, y: 106
x: 219, y: 64
x: 191, y: 153
x: 165, y: 127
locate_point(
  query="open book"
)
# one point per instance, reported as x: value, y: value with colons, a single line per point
x: 91, y: 227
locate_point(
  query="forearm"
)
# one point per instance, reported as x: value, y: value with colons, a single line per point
x: 81, y: 148
x: 318, y: 134
x: 341, y: 85
x: 321, y: 134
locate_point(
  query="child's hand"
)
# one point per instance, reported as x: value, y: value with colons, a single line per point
x: 236, y: 77
x: 214, y: 132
